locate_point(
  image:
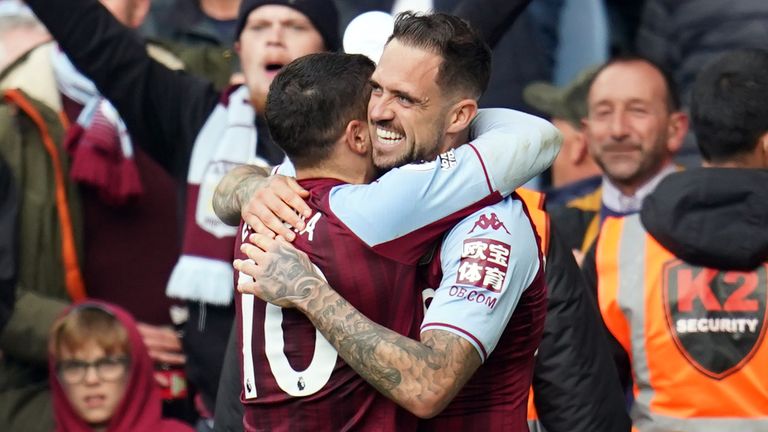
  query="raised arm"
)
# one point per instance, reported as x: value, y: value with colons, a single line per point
x: 512, y: 147
x: 163, y: 109
x: 492, y: 18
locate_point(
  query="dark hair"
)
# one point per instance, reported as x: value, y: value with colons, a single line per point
x: 729, y: 104
x: 673, y: 94
x: 313, y: 99
x: 466, y: 57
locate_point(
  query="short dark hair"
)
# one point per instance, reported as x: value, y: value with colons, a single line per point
x: 673, y: 93
x: 729, y: 104
x: 466, y: 57
x: 313, y: 99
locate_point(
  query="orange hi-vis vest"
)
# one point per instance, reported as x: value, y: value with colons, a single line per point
x: 534, y: 201
x: 694, y: 335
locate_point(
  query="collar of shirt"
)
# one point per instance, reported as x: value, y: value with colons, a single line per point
x: 614, y: 200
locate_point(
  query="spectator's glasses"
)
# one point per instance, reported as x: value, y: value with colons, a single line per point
x: 107, y: 369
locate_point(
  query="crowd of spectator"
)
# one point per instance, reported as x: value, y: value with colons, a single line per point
x: 146, y: 145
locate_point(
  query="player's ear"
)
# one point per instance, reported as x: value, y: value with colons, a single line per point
x: 461, y: 115
x: 356, y: 136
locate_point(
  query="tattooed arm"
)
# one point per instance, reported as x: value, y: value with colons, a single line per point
x: 421, y: 376
x: 261, y: 200
x: 234, y: 189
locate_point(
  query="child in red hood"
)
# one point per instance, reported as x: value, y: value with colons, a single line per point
x: 101, y: 375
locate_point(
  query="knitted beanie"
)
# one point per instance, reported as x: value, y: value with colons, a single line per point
x: 322, y: 14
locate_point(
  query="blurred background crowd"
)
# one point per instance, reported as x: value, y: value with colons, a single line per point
x: 105, y: 162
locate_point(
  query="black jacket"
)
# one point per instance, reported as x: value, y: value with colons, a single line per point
x: 575, y: 385
x: 684, y: 35
x: 9, y: 206
x: 712, y: 217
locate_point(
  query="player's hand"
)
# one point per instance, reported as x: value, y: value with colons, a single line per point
x: 163, y: 344
x: 282, y: 275
x: 279, y: 201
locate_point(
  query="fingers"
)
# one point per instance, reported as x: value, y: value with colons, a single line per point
x: 256, y: 225
x: 265, y: 243
x: 249, y: 268
x: 296, y: 198
x: 262, y: 212
x: 254, y: 252
x: 277, y: 208
x: 248, y: 288
x: 173, y: 359
x: 288, y: 206
x: 163, y: 344
x: 160, y: 337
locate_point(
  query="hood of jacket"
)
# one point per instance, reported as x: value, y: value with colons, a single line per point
x: 712, y: 217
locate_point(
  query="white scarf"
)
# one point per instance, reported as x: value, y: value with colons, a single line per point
x: 99, y: 144
x: 80, y: 89
x: 228, y: 138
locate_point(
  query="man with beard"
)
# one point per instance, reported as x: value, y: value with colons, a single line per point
x: 682, y: 285
x: 633, y: 128
x: 491, y: 295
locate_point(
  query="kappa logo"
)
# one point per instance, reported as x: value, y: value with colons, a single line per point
x: 717, y: 318
x: 489, y: 221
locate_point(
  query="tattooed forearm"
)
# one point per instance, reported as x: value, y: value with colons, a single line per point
x: 289, y: 278
x: 235, y: 189
x: 420, y: 376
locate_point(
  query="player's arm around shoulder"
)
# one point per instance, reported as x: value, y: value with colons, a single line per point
x: 509, y: 148
x: 235, y: 189
x: 513, y: 146
x: 265, y: 202
x: 488, y: 260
